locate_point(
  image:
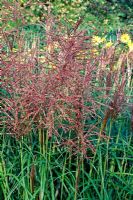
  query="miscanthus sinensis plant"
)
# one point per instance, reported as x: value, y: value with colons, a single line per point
x: 63, y: 86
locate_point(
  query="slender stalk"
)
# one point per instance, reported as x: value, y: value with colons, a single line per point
x: 78, y: 170
x: 63, y: 176
x: 25, y: 195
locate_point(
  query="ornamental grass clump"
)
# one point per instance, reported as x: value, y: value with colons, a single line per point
x: 60, y: 87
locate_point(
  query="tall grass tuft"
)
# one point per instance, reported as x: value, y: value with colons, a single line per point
x: 62, y: 131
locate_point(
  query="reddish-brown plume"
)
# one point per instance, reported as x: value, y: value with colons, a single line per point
x: 55, y: 87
